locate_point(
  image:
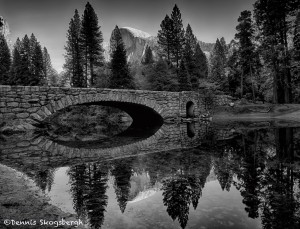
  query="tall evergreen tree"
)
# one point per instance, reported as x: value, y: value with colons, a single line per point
x: 271, y: 17
x: 217, y: 69
x: 25, y: 64
x: 296, y: 61
x: 16, y: 72
x: 247, y: 55
x: 189, y: 50
x: 91, y: 43
x: 36, y: 62
x: 178, y: 36
x: 73, y: 57
x: 165, y: 37
x: 201, y: 64
x: 120, y: 73
x: 5, y: 61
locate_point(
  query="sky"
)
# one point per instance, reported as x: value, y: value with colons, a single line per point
x: 49, y: 20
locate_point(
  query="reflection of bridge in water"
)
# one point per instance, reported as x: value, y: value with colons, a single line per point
x: 41, y: 152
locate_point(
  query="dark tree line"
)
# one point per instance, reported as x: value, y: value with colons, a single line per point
x: 261, y: 63
x: 29, y: 64
x: 182, y: 53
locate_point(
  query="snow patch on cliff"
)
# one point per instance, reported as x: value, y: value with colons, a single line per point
x: 137, y: 33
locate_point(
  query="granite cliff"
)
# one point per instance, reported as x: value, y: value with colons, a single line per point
x: 136, y: 42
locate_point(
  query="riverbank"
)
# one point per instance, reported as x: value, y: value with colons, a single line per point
x: 255, y: 112
x: 21, y: 200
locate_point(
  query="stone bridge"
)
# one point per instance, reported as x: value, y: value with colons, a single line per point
x: 28, y: 103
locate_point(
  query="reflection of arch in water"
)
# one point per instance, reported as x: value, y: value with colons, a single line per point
x: 190, y: 109
x: 191, y: 129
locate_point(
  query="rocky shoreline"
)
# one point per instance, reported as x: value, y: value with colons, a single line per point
x: 21, y: 200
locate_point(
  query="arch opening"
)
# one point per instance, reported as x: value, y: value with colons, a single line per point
x: 190, y: 110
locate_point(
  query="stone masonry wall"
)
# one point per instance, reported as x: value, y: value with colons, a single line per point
x: 26, y: 103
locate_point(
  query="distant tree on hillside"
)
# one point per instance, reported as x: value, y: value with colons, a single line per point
x: 148, y: 56
x: 115, y: 40
x: 91, y: 43
x: 73, y: 57
x: 5, y: 61
x: 120, y: 73
x: 217, y: 68
x: 50, y: 73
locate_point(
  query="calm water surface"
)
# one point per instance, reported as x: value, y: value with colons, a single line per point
x: 183, y: 176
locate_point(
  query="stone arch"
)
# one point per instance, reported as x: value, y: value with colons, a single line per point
x: 137, y: 107
x: 190, y: 109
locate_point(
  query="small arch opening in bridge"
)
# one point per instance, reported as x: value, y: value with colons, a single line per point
x: 190, y: 110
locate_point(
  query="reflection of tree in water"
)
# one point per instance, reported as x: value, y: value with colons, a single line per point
x: 253, y: 149
x: 184, y: 185
x: 223, y: 170
x: 281, y: 199
x: 265, y: 180
x: 44, y: 179
x: 177, y: 192
x: 88, y: 188
x: 122, y: 171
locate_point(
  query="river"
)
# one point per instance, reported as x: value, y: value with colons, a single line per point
x: 181, y: 175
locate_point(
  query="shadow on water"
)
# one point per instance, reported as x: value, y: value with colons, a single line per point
x: 213, y: 176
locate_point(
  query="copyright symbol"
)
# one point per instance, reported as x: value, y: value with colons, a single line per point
x: 7, y: 222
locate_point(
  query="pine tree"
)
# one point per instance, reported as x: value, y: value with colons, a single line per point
x: 247, y: 55
x: 161, y: 78
x: 201, y: 63
x: 91, y: 43
x: 120, y: 73
x: 148, y: 56
x: 296, y: 39
x: 115, y: 40
x: 177, y: 36
x: 15, y: 72
x: 165, y: 37
x: 190, y: 38
x: 189, y: 51
x: 296, y: 61
x: 36, y: 62
x: 73, y: 57
x: 225, y: 47
x: 5, y: 61
x: 183, y: 77
x: 271, y: 17
x: 25, y: 65
x: 217, y: 69
x: 50, y: 74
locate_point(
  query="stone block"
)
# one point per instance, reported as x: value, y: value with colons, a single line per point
x: 23, y: 115
x: 13, y: 104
